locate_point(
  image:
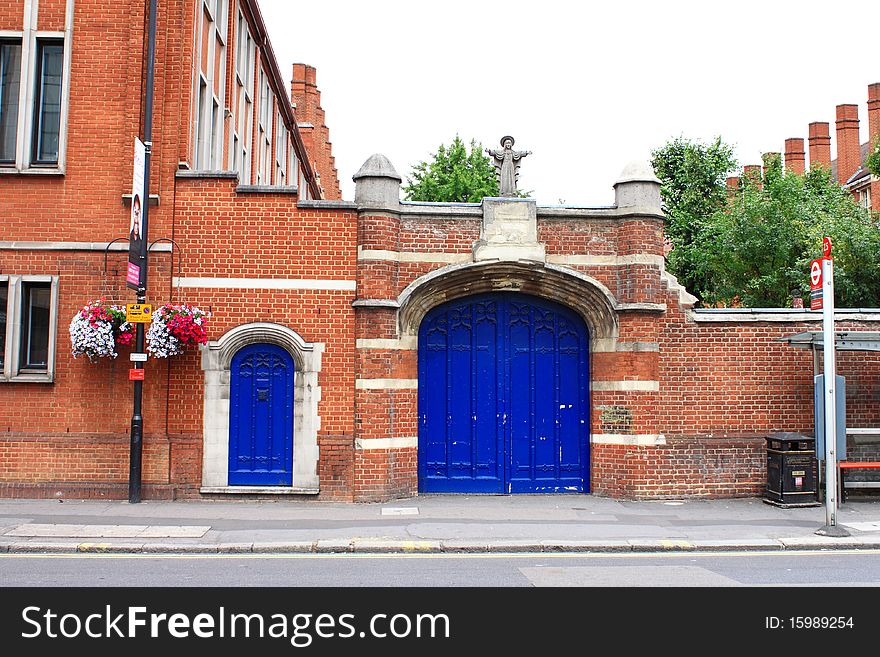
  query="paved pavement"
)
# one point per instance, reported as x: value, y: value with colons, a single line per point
x: 432, y: 523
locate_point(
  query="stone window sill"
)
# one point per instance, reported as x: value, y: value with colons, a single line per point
x: 35, y: 171
x: 30, y: 377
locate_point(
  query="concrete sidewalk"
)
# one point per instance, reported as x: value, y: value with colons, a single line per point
x: 432, y: 523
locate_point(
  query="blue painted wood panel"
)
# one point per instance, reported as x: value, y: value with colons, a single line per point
x: 503, y: 397
x: 261, y: 417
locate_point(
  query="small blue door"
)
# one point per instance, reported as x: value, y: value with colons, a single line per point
x: 261, y: 417
x: 503, y: 397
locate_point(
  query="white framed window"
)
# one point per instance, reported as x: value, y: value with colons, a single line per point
x: 46, y: 122
x: 34, y: 92
x: 282, y: 145
x: 264, y: 131
x: 10, y: 94
x: 208, y: 119
x: 243, y: 101
x: 28, y: 327
x: 865, y: 197
x: 303, y: 191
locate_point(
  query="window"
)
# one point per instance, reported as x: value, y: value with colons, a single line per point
x: 865, y: 197
x: 210, y: 85
x: 47, y: 102
x: 32, y: 100
x: 264, y: 141
x: 10, y: 92
x: 35, y: 309
x: 4, y: 302
x: 202, y: 149
x: 281, y: 145
x: 28, y: 314
x: 303, y: 192
x: 243, y: 101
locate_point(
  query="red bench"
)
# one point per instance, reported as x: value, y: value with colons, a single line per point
x: 853, y: 465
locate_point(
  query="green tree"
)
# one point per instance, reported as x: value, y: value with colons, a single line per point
x: 873, y: 159
x: 453, y: 175
x: 693, y: 177
x: 758, y: 248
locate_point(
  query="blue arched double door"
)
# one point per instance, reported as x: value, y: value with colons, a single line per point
x: 503, y: 397
x: 261, y: 417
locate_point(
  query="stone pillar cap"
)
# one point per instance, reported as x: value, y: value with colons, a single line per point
x: 637, y: 171
x: 377, y: 166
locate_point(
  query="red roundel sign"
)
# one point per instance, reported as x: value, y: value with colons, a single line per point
x: 816, y: 275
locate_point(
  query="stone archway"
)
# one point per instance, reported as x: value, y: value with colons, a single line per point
x: 583, y: 294
x: 216, y: 362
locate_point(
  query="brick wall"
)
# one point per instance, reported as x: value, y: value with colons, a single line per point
x: 71, y: 437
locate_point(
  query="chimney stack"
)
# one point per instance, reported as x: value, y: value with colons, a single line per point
x: 752, y: 172
x: 873, y: 112
x: 820, y: 145
x: 849, y: 151
x: 794, y: 155
x: 771, y: 161
x: 874, y: 136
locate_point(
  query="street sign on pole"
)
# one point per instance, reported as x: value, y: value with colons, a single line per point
x: 136, y: 313
x: 826, y: 280
x: 816, y: 284
x: 137, y: 419
x: 826, y: 247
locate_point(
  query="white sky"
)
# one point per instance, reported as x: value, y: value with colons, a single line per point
x: 586, y: 86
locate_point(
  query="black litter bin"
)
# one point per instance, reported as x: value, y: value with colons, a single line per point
x: 792, y: 470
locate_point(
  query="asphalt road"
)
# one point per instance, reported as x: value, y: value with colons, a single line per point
x: 780, y: 568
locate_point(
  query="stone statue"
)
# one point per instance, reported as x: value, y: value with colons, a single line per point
x: 506, y: 163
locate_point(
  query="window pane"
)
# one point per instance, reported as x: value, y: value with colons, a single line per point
x: 4, y: 299
x: 216, y: 127
x: 35, y: 326
x: 10, y: 83
x: 47, y: 112
x: 202, y: 126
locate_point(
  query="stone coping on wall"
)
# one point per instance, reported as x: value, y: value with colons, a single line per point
x: 326, y: 205
x: 739, y: 315
x: 472, y: 210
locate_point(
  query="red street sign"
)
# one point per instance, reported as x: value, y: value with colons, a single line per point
x: 816, y: 274
x: 826, y: 247
x: 136, y: 375
x: 816, y: 284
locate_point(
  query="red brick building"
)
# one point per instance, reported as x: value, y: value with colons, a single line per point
x: 848, y: 168
x: 357, y: 350
x: 243, y: 182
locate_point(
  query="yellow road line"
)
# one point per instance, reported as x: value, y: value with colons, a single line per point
x: 446, y: 555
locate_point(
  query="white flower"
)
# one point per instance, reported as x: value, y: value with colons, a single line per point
x: 93, y: 341
x: 160, y: 342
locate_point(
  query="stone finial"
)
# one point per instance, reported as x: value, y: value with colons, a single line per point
x: 377, y: 184
x: 637, y: 186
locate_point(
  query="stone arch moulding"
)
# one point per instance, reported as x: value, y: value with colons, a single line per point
x: 583, y: 294
x: 216, y: 362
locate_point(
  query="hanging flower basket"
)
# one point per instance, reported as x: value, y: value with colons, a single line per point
x: 176, y: 327
x: 98, y: 328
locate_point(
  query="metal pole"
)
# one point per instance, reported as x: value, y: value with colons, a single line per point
x: 830, y: 371
x: 137, y: 420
